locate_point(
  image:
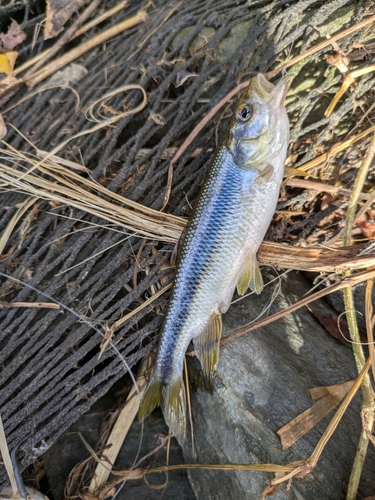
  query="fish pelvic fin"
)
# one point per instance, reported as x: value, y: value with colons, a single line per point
x: 207, y: 345
x: 250, y: 277
x: 171, y: 398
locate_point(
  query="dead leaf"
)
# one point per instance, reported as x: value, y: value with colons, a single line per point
x: 338, y: 328
x: 367, y: 226
x: 13, y: 37
x: 327, y: 399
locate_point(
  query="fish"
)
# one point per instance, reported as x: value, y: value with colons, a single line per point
x: 217, y: 251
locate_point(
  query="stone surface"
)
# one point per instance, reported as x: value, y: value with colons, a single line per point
x: 262, y: 383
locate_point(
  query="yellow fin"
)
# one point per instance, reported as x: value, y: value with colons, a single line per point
x: 250, y: 277
x: 151, y: 398
x: 171, y: 398
x: 207, y: 345
x: 173, y: 406
x: 244, y: 281
x: 256, y: 280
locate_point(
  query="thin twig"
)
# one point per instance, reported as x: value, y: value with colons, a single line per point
x: 322, y: 187
x: 46, y: 305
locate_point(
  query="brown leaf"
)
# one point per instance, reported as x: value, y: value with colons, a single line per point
x: 14, y: 37
x: 338, y: 328
x: 367, y: 226
x: 327, y: 399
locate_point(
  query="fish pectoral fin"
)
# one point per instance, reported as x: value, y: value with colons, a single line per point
x: 207, y: 345
x: 171, y: 398
x: 265, y: 175
x: 250, y: 277
x: 256, y: 281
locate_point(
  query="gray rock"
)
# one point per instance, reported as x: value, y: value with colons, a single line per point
x: 262, y: 383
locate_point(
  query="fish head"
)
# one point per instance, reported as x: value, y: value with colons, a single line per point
x: 259, y: 130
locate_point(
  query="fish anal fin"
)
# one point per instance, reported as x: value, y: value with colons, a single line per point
x: 207, y: 345
x: 250, y: 276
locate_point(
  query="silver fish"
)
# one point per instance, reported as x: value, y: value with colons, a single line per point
x: 218, y: 251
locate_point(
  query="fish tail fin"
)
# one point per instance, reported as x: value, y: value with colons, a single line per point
x: 173, y: 407
x: 151, y: 398
x: 171, y: 398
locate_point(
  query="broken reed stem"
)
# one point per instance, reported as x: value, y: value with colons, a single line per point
x: 368, y: 397
x: 320, y: 160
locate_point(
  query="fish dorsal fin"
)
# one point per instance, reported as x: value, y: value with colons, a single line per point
x: 250, y: 276
x: 207, y: 345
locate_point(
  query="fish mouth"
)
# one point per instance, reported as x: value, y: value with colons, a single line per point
x: 263, y: 86
x: 266, y: 90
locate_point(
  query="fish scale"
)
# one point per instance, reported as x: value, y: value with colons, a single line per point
x: 218, y: 250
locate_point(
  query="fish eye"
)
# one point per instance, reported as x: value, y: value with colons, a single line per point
x: 244, y: 112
